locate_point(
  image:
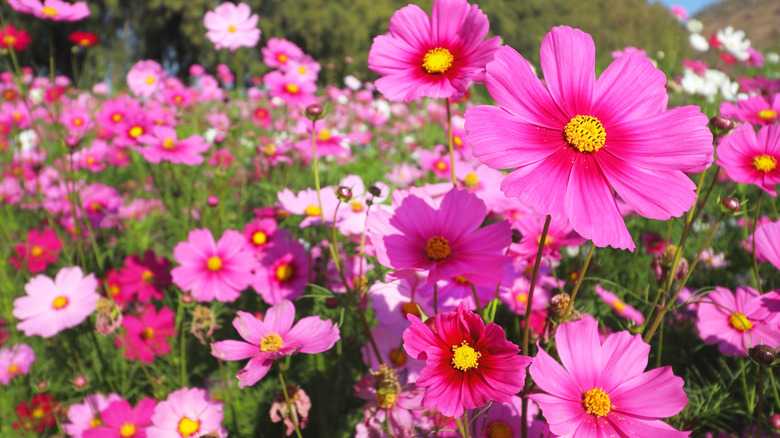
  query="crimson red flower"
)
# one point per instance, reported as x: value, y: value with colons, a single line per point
x: 84, y: 39
x: 146, y: 277
x: 11, y: 37
x: 38, y: 414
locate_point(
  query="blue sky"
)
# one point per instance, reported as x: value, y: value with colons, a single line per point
x: 692, y: 6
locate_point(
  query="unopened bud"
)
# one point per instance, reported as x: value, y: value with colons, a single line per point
x: 80, y: 381
x: 331, y: 303
x: 344, y: 193
x: 187, y: 298
x: 374, y: 190
x: 730, y: 204
x: 721, y: 126
x: 314, y: 111
x: 763, y: 354
x: 774, y: 420
x: 517, y: 236
x: 212, y: 201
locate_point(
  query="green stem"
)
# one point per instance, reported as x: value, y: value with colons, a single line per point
x: 435, y: 299
x: 580, y: 278
x: 289, y: 406
x: 774, y: 387
x: 753, y: 250
x: 462, y: 425
x: 449, y: 142
x: 743, y: 379
x: 229, y: 390
x: 759, y: 408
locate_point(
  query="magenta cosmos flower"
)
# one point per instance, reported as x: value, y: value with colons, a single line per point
x: 15, y: 361
x: 145, y: 336
x: 467, y: 363
x: 440, y: 238
x: 55, y: 10
x: 739, y: 321
x: 187, y: 413
x: 212, y: 270
x: 52, y: 306
x: 766, y: 238
x: 571, y: 143
x: 432, y: 57
x: 231, y: 26
x: 163, y: 144
x: 276, y: 337
x: 120, y: 420
x: 752, y: 158
x: 620, y: 307
x: 602, y: 389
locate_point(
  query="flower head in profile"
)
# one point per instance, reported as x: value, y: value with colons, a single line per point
x: 84, y: 39
x: 766, y: 238
x: 51, y: 306
x: 231, y: 26
x: 619, y: 306
x: 187, y: 413
x: 55, y: 10
x: 276, y: 337
x: 752, y: 158
x: 432, y: 57
x: 467, y: 363
x: 577, y: 141
x: 602, y: 389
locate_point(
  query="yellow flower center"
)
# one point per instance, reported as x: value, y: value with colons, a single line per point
x: 168, y: 144
x: 214, y: 263
x: 302, y: 69
x: 619, y: 306
x: 178, y: 99
x: 441, y: 165
x: 547, y: 240
x: 37, y: 413
x: 522, y: 297
x: 148, y: 333
x: 385, y: 401
x: 767, y: 114
x: 269, y: 149
x: 116, y: 117
x: 313, y: 210
x: 464, y: 357
x: 13, y: 369
x: 113, y: 289
x: 471, y: 181
x: 585, y: 133
x: 740, y: 322
x: 398, y: 357
x: 499, y: 429
x: 48, y: 10
x: 410, y: 307
x: 188, y: 427
x: 271, y: 342
x: 135, y: 131
x: 281, y: 57
x: 90, y: 160
x: 457, y: 141
x: 596, y: 402
x: 292, y: 88
x: 437, y: 248
x: 147, y: 275
x: 462, y: 280
x: 60, y: 302
x: 36, y: 251
x: 9, y: 40
x: 95, y: 422
x: 765, y: 163
x: 437, y: 60
x: 78, y: 122
x: 231, y: 28
x: 324, y: 135
x: 259, y: 238
x: 150, y: 80
x: 127, y: 430
x: 357, y: 206
x: 284, y: 272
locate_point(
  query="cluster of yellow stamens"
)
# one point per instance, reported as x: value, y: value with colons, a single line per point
x: 585, y: 134
x: 271, y: 342
x: 284, y: 272
x: 437, y: 60
x: 765, y: 163
x: 596, y: 402
x: 740, y: 322
x: 464, y: 357
x: 437, y: 248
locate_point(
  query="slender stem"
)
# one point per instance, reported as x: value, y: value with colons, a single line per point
x: 774, y: 387
x: 435, y: 299
x: 476, y: 300
x: 743, y: 379
x: 449, y: 142
x: 753, y: 250
x: 580, y: 277
x: 462, y: 426
x: 698, y: 257
x: 183, y: 349
x: 759, y: 408
x: 289, y: 406
x: 527, y: 318
x: 229, y: 389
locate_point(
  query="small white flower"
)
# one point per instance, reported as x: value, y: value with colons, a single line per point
x: 352, y: 83
x: 734, y: 42
x: 694, y: 26
x: 772, y: 57
x: 698, y: 42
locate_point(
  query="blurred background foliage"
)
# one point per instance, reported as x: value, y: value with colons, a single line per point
x: 336, y: 33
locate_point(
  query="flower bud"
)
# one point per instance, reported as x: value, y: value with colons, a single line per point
x: 763, y: 354
x: 315, y: 111
x: 730, y: 205
x: 517, y: 236
x: 374, y: 190
x: 344, y: 193
x: 774, y: 420
x: 212, y: 201
x: 187, y: 298
x: 331, y: 302
x: 79, y: 381
x: 722, y: 123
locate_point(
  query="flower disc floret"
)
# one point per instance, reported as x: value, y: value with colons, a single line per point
x: 765, y: 163
x: 214, y: 263
x: 596, y: 402
x: 767, y: 114
x: 437, y: 60
x: 437, y: 248
x: 271, y: 342
x: 188, y: 427
x: 739, y: 321
x: 585, y: 134
x: 464, y: 357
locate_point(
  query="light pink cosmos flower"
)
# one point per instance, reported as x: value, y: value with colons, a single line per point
x: 739, y: 321
x: 145, y: 78
x: 306, y: 203
x: 278, y: 52
x: 300, y: 404
x: 187, y: 413
x: 55, y: 10
x: 15, y: 361
x: 276, y: 337
x: 752, y: 158
x: 467, y: 363
x: 620, y: 307
x: 439, y: 237
x: 52, y: 306
x: 231, y: 26
x: 212, y: 270
x: 291, y: 89
x: 766, y: 238
x: 85, y: 416
x: 120, y: 420
x: 163, y: 144
x: 432, y: 57
x: 576, y: 141
x: 602, y: 388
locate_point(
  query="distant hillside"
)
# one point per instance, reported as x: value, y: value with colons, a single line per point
x: 760, y: 19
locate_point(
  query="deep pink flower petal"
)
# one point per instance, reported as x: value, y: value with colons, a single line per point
x: 233, y: 350
x: 580, y: 351
x: 630, y: 88
x: 314, y: 335
x: 568, y: 59
x: 659, y: 385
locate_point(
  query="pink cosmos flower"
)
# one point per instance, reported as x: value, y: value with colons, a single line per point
x: 55, y: 10
x: 739, y: 321
x: 145, y: 78
x: 573, y: 141
x: 85, y: 416
x: 15, y: 361
x: 52, y: 306
x: 306, y: 203
x: 187, y: 413
x: 300, y: 404
x: 291, y: 89
x: 432, y: 57
x: 231, y: 26
x: 212, y: 270
x: 467, y: 363
x: 279, y: 51
x: 277, y: 337
x: 145, y: 336
x: 602, y: 388
x: 163, y: 144
x: 283, y: 271
x: 559, y: 234
x: 120, y: 420
x: 621, y: 308
x: 752, y: 158
x: 440, y: 238
x: 755, y: 109
x: 145, y: 277
x: 40, y: 249
x: 766, y: 238
x: 392, y: 400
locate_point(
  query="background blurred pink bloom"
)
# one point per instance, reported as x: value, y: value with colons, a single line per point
x: 752, y: 158
x: 120, y: 420
x: 163, y: 144
x: 602, y: 389
x: 40, y: 249
x: 85, y: 416
x: 55, y: 10
x: 15, y: 361
x: 279, y: 51
x: 188, y: 412
x: 300, y: 404
x: 145, y: 336
x: 432, y: 57
x: 283, y: 271
x: 767, y: 239
x: 145, y: 78
x: 277, y: 337
x: 231, y: 26
x: 51, y: 306
x: 620, y: 307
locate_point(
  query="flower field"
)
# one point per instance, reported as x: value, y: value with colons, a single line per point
x: 460, y: 244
